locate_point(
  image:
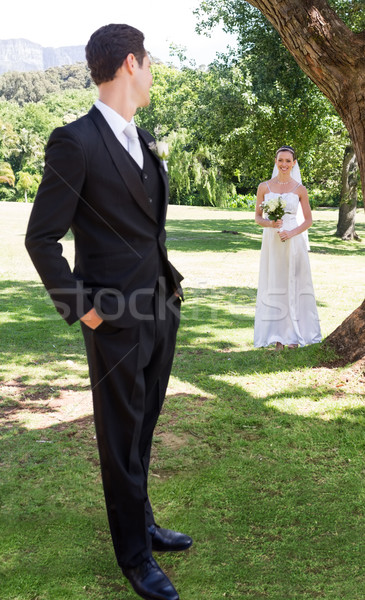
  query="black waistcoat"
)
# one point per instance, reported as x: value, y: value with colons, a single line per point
x: 153, y: 183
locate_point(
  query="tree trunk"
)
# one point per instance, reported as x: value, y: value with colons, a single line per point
x: 348, y: 340
x: 330, y: 54
x: 348, y: 203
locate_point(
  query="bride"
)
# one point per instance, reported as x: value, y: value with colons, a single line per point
x: 286, y: 312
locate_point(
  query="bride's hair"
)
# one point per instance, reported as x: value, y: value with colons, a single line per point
x: 286, y: 149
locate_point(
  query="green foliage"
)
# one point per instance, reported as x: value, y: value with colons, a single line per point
x: 7, y: 181
x: 6, y: 174
x: 223, y: 123
x: 181, y: 111
x: 7, y: 194
x: 33, y: 86
x: 195, y: 175
x: 242, y: 201
x: 76, y: 76
x: 9, y: 139
x: 174, y: 96
x: 25, y: 87
x: 351, y: 12
x: 26, y: 127
x: 28, y: 184
x: 323, y: 197
x: 288, y: 108
x: 69, y: 105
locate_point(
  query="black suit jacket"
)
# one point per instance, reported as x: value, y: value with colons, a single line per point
x: 91, y: 186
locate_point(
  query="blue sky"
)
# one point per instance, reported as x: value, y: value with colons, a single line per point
x: 71, y: 22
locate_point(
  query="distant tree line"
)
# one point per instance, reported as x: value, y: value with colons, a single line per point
x: 33, y: 86
x: 32, y: 104
x: 223, y: 123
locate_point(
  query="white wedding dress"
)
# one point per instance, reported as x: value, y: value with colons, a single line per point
x: 286, y: 308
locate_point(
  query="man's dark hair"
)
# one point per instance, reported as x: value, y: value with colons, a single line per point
x: 108, y: 48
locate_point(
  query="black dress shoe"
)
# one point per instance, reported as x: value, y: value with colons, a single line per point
x: 166, y: 540
x: 150, y: 582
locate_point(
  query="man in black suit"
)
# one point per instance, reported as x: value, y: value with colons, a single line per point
x: 103, y: 181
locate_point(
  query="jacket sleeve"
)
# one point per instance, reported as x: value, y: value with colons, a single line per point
x: 57, y: 200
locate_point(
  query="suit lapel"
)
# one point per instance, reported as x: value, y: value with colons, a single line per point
x: 122, y: 162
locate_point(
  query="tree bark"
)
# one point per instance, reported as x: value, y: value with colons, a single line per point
x: 347, y: 211
x: 330, y: 54
x: 348, y: 340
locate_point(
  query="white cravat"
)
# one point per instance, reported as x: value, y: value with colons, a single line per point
x: 134, y: 145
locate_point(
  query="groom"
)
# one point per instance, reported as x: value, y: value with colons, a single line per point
x: 103, y: 181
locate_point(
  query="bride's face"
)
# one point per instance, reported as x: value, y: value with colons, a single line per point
x: 285, y: 162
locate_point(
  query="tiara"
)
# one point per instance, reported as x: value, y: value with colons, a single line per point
x: 287, y: 148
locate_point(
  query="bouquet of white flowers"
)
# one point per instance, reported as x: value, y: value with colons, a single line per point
x: 273, y: 208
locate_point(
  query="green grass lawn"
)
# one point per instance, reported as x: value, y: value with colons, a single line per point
x: 258, y: 455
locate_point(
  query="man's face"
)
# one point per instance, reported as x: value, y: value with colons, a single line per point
x: 143, y: 82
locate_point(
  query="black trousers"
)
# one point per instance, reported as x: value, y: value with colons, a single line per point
x: 129, y: 372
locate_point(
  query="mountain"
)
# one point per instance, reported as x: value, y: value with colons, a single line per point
x: 23, y: 55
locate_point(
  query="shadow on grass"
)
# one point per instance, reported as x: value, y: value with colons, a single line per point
x: 256, y: 485
x: 54, y: 541
x: 31, y: 327
x: 42, y: 357
x: 225, y: 307
x: 209, y: 236
x: 34, y: 335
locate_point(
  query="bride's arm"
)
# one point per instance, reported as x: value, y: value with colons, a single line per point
x: 260, y: 220
x: 307, y: 214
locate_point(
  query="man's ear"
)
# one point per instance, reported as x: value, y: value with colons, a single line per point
x: 130, y: 63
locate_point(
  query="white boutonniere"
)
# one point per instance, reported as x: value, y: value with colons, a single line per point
x: 161, y: 149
